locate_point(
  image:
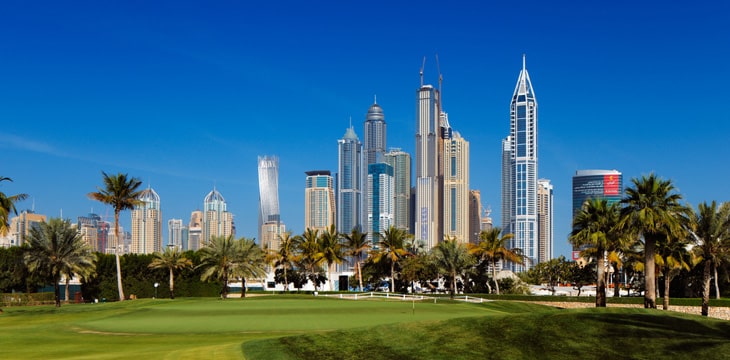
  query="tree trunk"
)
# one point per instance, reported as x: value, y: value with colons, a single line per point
x: 329, y: 276
x: 649, y: 273
x: 286, y: 281
x: 57, y: 290
x: 601, y: 279
x: 717, y: 288
x: 453, y: 284
x: 224, y: 291
x: 616, y: 281
x: 359, y: 274
x: 706, y: 288
x: 494, y: 275
x: 172, y: 284
x: 116, y: 254
x: 667, y: 280
x: 66, y: 290
x: 243, y: 288
x: 392, y: 276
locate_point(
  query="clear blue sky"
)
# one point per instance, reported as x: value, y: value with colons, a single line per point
x: 186, y: 95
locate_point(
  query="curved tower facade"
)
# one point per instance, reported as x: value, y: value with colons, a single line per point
x: 375, y: 135
x: 270, y: 226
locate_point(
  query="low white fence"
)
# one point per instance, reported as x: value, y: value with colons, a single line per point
x: 401, y: 297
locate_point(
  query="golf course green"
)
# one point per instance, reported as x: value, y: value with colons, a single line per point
x: 307, y: 327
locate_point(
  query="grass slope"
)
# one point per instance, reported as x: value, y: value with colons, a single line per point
x: 571, y: 334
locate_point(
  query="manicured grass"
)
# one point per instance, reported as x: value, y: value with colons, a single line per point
x: 568, y: 334
x: 307, y: 327
x: 200, y: 328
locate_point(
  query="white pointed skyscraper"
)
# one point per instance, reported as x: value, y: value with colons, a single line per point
x: 519, y: 168
x: 147, y: 223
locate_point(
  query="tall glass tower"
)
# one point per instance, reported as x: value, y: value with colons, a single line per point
x: 349, y: 182
x: 427, y: 167
x: 401, y: 163
x: 375, y: 134
x: 270, y: 225
x: 217, y: 221
x: 519, y: 168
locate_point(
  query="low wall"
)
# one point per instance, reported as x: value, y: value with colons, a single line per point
x: 715, y: 312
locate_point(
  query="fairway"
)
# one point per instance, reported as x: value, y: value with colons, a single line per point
x: 203, y: 328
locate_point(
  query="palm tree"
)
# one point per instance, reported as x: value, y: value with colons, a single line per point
x: 310, y: 256
x: 7, y: 206
x: 595, y: 227
x: 452, y: 257
x: 493, y: 248
x: 651, y: 209
x: 392, y: 247
x: 218, y: 260
x: 357, y: 244
x: 284, y: 256
x: 710, y: 228
x: 56, y: 249
x: 120, y: 192
x: 171, y: 259
x: 672, y: 256
x: 332, y: 251
x: 249, y: 262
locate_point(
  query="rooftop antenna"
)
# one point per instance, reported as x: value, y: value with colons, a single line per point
x: 350, y: 121
x: 375, y: 100
x: 422, y: 66
x: 523, y: 61
x: 441, y: 78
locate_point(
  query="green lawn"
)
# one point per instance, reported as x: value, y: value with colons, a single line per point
x: 305, y: 327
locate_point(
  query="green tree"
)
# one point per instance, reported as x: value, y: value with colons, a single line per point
x: 595, y: 227
x: 284, y: 257
x: 332, y: 251
x: 218, y: 261
x: 357, y: 245
x: 391, y: 247
x: 710, y: 228
x: 171, y: 259
x: 7, y: 206
x: 310, y: 257
x: 56, y: 249
x: 672, y: 256
x: 551, y: 272
x: 493, y: 248
x: 452, y: 258
x: 121, y: 193
x: 651, y: 209
x: 249, y: 263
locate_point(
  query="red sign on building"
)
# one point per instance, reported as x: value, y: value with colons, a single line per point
x: 610, y: 185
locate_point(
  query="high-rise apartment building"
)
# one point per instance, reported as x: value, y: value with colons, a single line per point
x: 195, y: 231
x: 428, y: 215
x: 147, y: 224
x: 544, y: 220
x: 375, y: 135
x: 94, y: 231
x: 456, y: 187
x: 380, y: 200
x: 401, y: 163
x: 176, y: 234
x: 270, y: 225
x: 217, y: 221
x: 319, y: 200
x: 519, y: 170
x: 349, y: 180
x: 595, y: 184
x: 20, y: 226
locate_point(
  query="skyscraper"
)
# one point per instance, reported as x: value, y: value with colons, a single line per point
x: 147, y: 224
x: 217, y: 221
x: 175, y: 234
x: 519, y: 170
x: 269, y: 214
x: 349, y: 181
x: 456, y: 187
x: 375, y: 134
x: 319, y: 200
x: 595, y: 184
x: 195, y: 231
x: 380, y: 200
x: 94, y: 231
x: 544, y: 220
x: 401, y: 163
x: 475, y: 215
x: 20, y: 226
x: 428, y: 216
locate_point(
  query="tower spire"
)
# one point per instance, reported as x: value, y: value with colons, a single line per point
x: 523, y: 62
x: 375, y: 99
x: 422, y: 66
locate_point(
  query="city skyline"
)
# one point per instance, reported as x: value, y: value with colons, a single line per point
x: 161, y: 92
